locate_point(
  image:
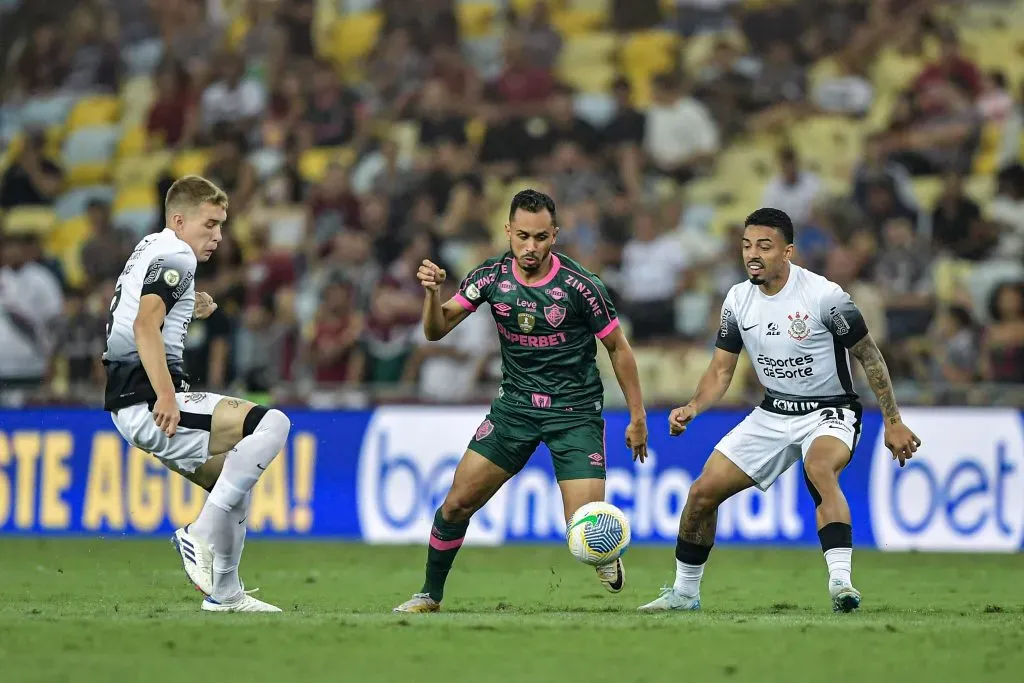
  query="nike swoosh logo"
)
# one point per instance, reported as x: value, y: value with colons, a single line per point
x: 243, y: 521
x: 589, y: 518
x: 261, y: 467
x: 745, y: 329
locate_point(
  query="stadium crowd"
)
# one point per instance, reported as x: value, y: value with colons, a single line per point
x: 357, y: 137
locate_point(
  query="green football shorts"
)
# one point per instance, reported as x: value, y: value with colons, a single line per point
x: 509, y: 435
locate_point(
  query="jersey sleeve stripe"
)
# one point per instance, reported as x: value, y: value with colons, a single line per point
x: 597, y: 289
x: 608, y: 329
x: 464, y: 302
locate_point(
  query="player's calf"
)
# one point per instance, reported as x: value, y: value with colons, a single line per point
x: 825, y: 460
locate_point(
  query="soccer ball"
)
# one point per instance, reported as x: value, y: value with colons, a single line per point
x: 598, y: 534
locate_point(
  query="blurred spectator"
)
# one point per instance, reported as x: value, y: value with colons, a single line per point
x: 954, y: 348
x: 105, y: 251
x: 525, y: 86
x: 33, y: 178
x: 957, y: 224
x: 781, y: 80
x: 574, y: 179
x: 848, y: 91
x: 503, y: 150
x: 450, y: 369
x: 1002, y: 346
x: 295, y: 18
x: 940, y: 134
x: 699, y: 16
x: 333, y: 114
x: 285, y: 110
x: 388, y: 337
x: 191, y: 39
x: 173, y: 116
x: 31, y: 304
x: 994, y: 102
x: 626, y: 126
x: 437, y: 122
x: 264, y: 41
x: 94, y: 56
x: 207, y: 351
x: 230, y: 169
x: 903, y: 276
x: 385, y: 172
x: 679, y: 135
x: 875, y: 169
x: 397, y: 71
x: 81, y: 340
x: 233, y: 98
x: 793, y: 190
x: 635, y: 15
x: 462, y: 82
x: 286, y: 185
x: 952, y: 68
x: 42, y: 65
x: 332, y: 207
x: 1007, y: 213
x: 563, y: 125
x: 653, y: 275
x: 269, y: 271
x: 268, y: 343
x: 882, y: 205
x: 541, y: 41
x: 335, y: 337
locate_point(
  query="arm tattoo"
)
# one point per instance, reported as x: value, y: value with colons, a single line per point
x: 878, y: 377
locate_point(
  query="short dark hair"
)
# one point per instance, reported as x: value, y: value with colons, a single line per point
x: 993, y: 299
x: 772, y: 218
x: 534, y: 202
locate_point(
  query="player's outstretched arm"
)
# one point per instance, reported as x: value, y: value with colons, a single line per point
x: 624, y: 364
x: 902, y: 442
x: 712, y: 387
x: 149, y: 341
x: 438, y: 318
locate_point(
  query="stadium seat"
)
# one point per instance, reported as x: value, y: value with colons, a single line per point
x: 87, y: 155
x: 570, y: 22
x: 141, y: 168
x: 314, y: 162
x: 68, y: 234
x: 476, y: 18
x: 137, y: 95
x: 29, y: 220
x: 476, y: 128
x: 353, y: 36
x: 142, y: 58
x: 651, y: 52
x: 592, y: 78
x: 96, y: 110
x: 190, y: 162
x: 133, y: 141
x: 135, y: 197
x: 46, y: 111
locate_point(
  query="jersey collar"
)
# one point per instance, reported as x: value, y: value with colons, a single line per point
x: 555, y: 265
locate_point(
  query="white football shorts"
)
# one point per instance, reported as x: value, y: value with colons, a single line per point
x: 766, y: 444
x: 189, y: 447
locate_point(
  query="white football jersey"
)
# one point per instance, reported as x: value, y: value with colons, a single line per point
x: 163, y: 265
x: 797, y: 340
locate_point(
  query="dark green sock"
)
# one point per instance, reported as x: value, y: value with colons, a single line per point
x: 445, y: 540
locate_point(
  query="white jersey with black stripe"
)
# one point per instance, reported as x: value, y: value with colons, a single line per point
x: 163, y: 265
x: 797, y: 340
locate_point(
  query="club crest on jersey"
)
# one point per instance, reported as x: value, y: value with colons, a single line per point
x: 554, y: 314
x: 798, y: 327
x: 505, y: 286
x: 172, y: 277
x: 472, y: 292
x: 556, y: 293
x: 484, y: 430
x: 502, y: 309
x: 526, y: 322
x: 195, y: 397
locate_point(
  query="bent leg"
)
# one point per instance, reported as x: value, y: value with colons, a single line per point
x: 825, y: 459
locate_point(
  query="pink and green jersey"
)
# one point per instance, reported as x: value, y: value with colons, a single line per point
x: 547, y: 331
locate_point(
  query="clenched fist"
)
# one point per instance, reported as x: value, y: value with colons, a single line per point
x: 431, y: 276
x: 205, y: 306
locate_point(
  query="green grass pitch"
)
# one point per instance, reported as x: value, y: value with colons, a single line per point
x: 83, y: 610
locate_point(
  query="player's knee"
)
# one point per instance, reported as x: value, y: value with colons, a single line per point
x: 820, y: 473
x: 458, y: 508
x: 704, y: 496
x: 269, y: 420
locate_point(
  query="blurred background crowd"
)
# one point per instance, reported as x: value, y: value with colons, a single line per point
x: 357, y: 137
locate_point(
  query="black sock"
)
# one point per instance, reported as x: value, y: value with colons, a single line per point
x: 445, y: 540
x: 691, y: 553
x: 835, y: 535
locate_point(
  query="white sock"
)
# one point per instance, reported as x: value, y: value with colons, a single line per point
x: 227, y: 556
x: 688, y: 578
x: 839, y: 561
x: 228, y: 502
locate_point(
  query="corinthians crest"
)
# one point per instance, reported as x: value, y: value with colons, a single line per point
x: 526, y: 322
x: 798, y: 328
x: 554, y: 314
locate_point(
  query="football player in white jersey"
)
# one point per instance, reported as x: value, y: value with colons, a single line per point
x: 798, y: 329
x: 220, y: 443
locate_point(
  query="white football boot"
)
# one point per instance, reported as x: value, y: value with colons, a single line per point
x: 671, y: 600
x: 845, y: 598
x: 612, y: 576
x: 242, y: 603
x: 418, y: 604
x: 196, y: 559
